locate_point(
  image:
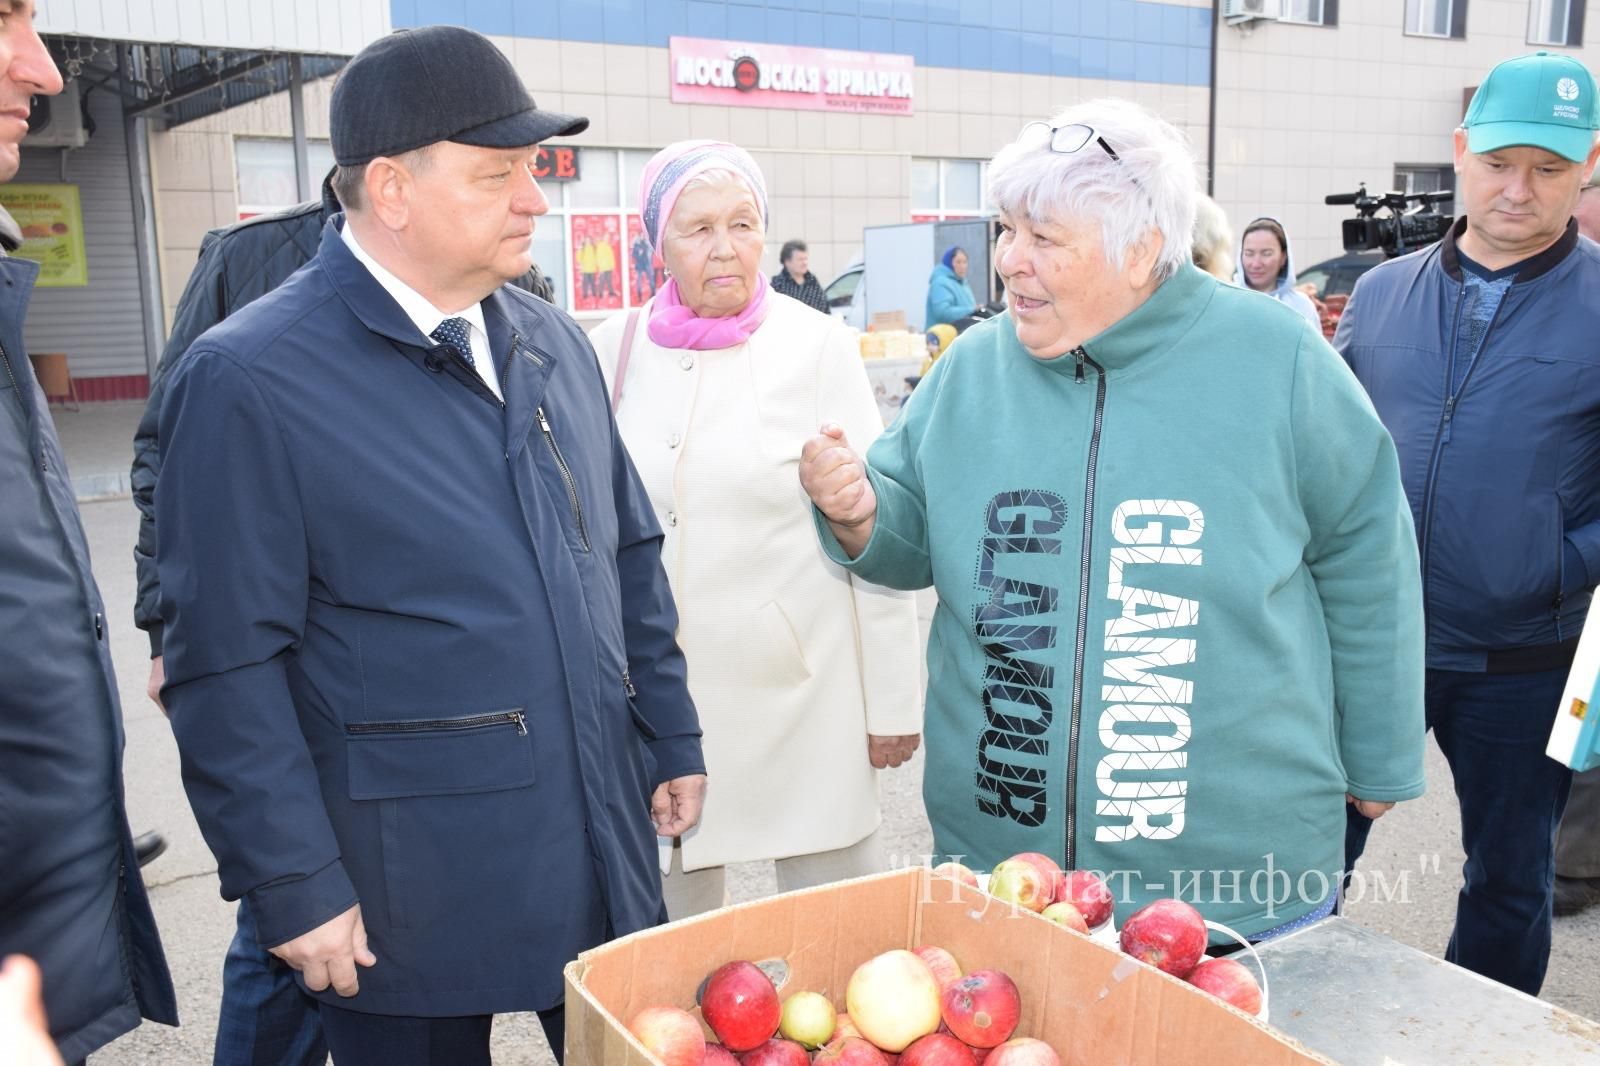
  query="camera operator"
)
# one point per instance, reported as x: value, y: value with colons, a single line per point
x: 1479, y: 354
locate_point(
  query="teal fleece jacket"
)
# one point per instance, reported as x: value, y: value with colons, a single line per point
x: 1179, y: 612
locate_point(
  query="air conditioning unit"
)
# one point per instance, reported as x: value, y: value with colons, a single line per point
x: 61, y: 126
x: 1237, y: 11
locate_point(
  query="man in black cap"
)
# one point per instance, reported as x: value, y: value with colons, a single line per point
x: 418, y: 641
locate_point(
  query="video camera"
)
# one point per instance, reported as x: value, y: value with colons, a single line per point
x: 1400, y: 231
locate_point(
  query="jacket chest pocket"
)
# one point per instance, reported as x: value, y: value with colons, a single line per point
x: 409, y: 767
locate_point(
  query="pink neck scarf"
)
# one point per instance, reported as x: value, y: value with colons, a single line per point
x: 673, y: 325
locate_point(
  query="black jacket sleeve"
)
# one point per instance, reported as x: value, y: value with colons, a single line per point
x: 203, y: 305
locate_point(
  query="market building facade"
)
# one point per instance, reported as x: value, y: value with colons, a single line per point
x: 860, y: 112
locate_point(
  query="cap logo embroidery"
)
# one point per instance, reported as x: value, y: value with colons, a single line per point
x: 1567, y: 89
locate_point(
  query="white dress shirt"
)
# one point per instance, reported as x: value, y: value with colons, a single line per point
x: 426, y: 316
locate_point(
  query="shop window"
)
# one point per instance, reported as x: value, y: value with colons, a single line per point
x: 592, y: 244
x: 265, y: 170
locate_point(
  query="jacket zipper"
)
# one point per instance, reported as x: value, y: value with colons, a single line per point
x: 1441, y: 435
x: 6, y: 359
x: 511, y: 353
x: 1561, y: 565
x: 1086, y: 559
x: 627, y: 684
x: 566, y: 476
x: 477, y: 721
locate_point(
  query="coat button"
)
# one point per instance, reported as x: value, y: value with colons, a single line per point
x: 686, y: 361
x: 672, y: 518
x: 674, y: 440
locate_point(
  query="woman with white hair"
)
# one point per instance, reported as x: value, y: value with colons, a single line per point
x: 1212, y: 249
x: 1179, y: 617
x: 805, y: 677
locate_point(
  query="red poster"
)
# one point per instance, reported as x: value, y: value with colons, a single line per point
x: 645, y: 277
x: 597, y: 263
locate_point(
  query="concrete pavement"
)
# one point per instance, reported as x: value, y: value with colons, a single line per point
x: 1415, y: 848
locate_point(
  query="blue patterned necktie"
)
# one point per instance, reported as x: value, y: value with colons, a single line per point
x: 457, y: 333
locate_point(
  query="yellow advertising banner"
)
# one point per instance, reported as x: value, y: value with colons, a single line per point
x: 51, y: 219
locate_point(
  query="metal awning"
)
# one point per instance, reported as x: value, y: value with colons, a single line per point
x: 309, y: 27
x: 175, y: 84
x: 181, y: 60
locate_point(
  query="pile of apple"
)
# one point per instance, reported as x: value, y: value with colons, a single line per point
x: 1171, y: 936
x: 1077, y: 899
x: 902, y: 1008
x: 1168, y: 934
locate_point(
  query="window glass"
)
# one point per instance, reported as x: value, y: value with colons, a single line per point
x: 266, y: 172
x: 925, y: 184
x: 598, y: 186
x: 963, y: 181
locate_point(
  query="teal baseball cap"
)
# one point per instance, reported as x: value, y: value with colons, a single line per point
x: 1543, y: 100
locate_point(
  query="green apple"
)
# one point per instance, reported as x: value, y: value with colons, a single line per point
x: 808, y: 1018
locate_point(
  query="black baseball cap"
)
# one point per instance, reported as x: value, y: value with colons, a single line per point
x: 436, y: 83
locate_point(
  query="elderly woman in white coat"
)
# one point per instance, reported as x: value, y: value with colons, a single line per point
x: 807, y: 680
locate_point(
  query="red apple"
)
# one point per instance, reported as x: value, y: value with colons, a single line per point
x: 717, y: 1055
x: 843, y: 1027
x: 851, y: 1051
x: 941, y: 962
x: 1089, y: 894
x: 776, y: 1052
x: 1020, y: 883
x: 893, y: 999
x: 1231, y: 981
x: 1168, y: 934
x: 670, y: 1034
x: 1048, y: 869
x: 937, y: 1049
x: 982, y: 1009
x: 1023, y: 1051
x: 957, y: 872
x: 741, y: 1006
x: 1064, y: 913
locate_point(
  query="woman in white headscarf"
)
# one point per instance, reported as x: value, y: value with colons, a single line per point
x: 1266, y: 265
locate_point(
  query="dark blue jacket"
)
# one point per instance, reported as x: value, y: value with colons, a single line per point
x: 419, y: 645
x: 70, y: 891
x: 237, y: 264
x: 1501, y: 475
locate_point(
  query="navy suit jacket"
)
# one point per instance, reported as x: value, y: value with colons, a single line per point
x: 419, y: 644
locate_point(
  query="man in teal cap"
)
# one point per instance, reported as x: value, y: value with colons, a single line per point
x: 1482, y: 356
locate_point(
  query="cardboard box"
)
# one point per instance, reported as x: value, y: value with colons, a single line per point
x: 1093, y: 1004
x: 887, y: 320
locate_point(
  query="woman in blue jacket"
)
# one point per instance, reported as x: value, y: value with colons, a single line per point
x: 949, y: 298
